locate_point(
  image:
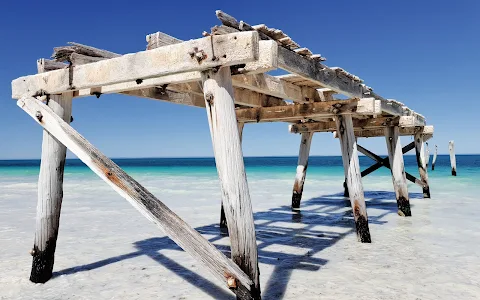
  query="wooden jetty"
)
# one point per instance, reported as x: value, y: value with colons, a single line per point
x: 225, y: 72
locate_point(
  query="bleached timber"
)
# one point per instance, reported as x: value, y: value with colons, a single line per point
x: 427, y: 155
x: 434, y: 158
x: 305, y: 142
x: 351, y: 164
x: 453, y: 160
x: 220, y: 107
x: 50, y: 194
x: 152, y: 208
x: 421, y: 162
x: 399, y: 178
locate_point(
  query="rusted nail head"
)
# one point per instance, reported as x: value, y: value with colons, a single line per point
x: 231, y: 282
x: 38, y: 115
x: 209, y: 97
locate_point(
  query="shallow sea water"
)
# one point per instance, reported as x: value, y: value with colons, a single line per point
x: 107, y: 250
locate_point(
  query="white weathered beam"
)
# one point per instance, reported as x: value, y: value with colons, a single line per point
x: 153, y: 209
x: 426, y: 132
x: 397, y: 167
x: 351, y: 166
x: 421, y: 162
x: 434, y: 157
x: 227, y: 148
x: 370, y: 123
x: 303, y: 153
x: 194, y: 55
x: 453, y: 160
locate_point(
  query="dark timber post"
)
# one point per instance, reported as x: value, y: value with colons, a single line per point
x: 219, y: 101
x: 397, y: 167
x: 420, y: 152
x: 50, y: 194
x: 351, y: 165
x: 302, y: 165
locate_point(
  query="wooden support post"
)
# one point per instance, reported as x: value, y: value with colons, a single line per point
x: 427, y: 155
x: 223, y: 220
x: 453, y: 160
x: 153, y: 209
x: 399, y: 178
x: 420, y: 152
x: 434, y: 158
x: 219, y: 101
x: 351, y: 164
x: 50, y: 194
x: 302, y: 165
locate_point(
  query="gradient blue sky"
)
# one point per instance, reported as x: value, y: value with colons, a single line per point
x: 423, y: 53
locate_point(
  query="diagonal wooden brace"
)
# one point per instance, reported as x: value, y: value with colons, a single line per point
x: 153, y: 209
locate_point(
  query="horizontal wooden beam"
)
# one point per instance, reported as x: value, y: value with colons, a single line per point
x: 152, y: 208
x: 426, y: 131
x: 194, y: 55
x: 327, y: 126
x: 298, y: 112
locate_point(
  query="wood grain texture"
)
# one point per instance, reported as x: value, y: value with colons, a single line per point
x: 219, y: 100
x: 421, y: 162
x: 453, y: 160
x: 434, y: 158
x: 426, y: 132
x: 152, y: 208
x: 50, y: 194
x: 397, y: 168
x: 194, y: 55
x: 302, y: 166
x: 351, y: 164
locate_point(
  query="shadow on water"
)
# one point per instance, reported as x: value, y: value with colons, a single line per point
x: 286, y: 240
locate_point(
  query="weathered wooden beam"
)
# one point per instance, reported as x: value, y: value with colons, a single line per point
x: 160, y: 39
x: 155, y: 93
x: 326, y: 126
x: 194, y: 55
x: 399, y: 178
x: 153, y: 209
x: 305, y: 111
x: 50, y: 193
x: 421, y: 162
x: 46, y: 65
x: 453, y: 160
x: 351, y: 164
x: 219, y: 101
x: 302, y: 165
x: 426, y: 132
x: 427, y: 155
x: 434, y: 158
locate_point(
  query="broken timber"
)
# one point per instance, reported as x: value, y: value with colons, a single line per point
x: 224, y: 72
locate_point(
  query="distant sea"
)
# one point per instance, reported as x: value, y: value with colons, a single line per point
x: 257, y: 167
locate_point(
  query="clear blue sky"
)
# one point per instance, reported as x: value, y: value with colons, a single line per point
x: 423, y: 53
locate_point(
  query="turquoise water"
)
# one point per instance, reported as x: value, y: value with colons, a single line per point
x: 273, y: 167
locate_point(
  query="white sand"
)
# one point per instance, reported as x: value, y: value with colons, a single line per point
x: 107, y: 250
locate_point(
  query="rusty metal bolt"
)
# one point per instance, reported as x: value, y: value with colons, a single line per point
x: 39, y: 116
x: 32, y: 252
x: 191, y: 53
x: 338, y: 105
x: 231, y: 282
x: 335, y: 110
x: 390, y: 139
x: 71, y: 119
x: 209, y: 98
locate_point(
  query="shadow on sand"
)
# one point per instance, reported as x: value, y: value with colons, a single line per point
x: 322, y: 222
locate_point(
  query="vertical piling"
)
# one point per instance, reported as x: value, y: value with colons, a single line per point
x: 434, y: 158
x: 223, y: 220
x: 397, y: 167
x: 427, y: 155
x: 453, y: 160
x: 420, y: 153
x: 50, y: 194
x: 351, y: 165
x: 219, y: 101
x: 302, y: 165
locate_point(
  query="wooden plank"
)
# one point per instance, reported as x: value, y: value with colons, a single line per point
x: 153, y: 209
x: 453, y: 160
x: 399, y: 178
x: 46, y: 65
x: 169, y: 96
x: 426, y: 132
x: 420, y: 154
x: 194, y: 55
x: 324, y: 76
x: 160, y: 39
x: 351, y: 164
x: 220, y: 107
x: 427, y: 155
x: 297, y: 112
x: 327, y: 126
x: 302, y: 165
x: 50, y: 193
x: 411, y: 121
x: 270, y: 85
x: 434, y: 158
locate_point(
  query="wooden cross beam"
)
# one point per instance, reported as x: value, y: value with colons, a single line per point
x: 384, y: 162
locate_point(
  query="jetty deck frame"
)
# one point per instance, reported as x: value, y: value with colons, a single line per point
x: 225, y: 72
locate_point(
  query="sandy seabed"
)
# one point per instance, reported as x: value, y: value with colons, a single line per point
x: 107, y: 250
